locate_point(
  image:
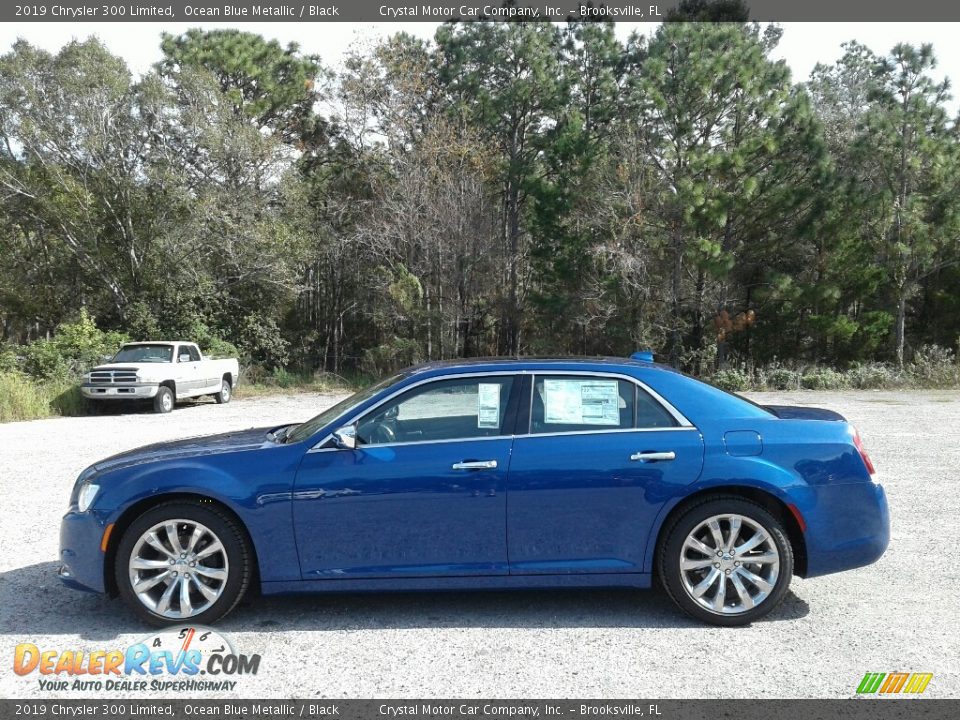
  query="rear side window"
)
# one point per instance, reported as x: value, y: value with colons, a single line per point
x: 581, y: 403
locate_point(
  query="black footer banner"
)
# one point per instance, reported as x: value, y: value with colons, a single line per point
x: 852, y: 709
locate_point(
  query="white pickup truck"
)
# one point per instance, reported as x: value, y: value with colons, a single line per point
x: 161, y: 371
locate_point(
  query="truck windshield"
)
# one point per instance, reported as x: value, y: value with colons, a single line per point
x: 144, y: 354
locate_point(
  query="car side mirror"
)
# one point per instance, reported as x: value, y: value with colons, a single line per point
x: 345, y: 438
x: 106, y: 358
x: 185, y: 357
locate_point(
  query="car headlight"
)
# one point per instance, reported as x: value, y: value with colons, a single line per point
x: 88, y: 491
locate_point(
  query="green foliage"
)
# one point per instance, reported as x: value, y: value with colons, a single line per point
x: 262, y: 341
x: 390, y: 357
x: 935, y: 366
x: 24, y: 398
x: 781, y: 378
x: 824, y: 379
x: 732, y: 379
x: 505, y: 188
x: 75, y: 347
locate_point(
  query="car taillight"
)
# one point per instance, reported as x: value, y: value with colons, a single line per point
x: 863, y: 453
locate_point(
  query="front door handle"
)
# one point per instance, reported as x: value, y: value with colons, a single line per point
x: 654, y: 456
x: 475, y: 465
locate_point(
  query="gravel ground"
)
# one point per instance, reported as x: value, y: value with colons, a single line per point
x: 899, y: 614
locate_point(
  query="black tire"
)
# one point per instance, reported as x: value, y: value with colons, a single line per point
x: 672, y: 550
x: 164, y: 400
x: 226, y: 392
x: 240, y: 568
x: 92, y: 407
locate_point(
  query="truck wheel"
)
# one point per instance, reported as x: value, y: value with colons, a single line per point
x: 163, y: 400
x: 226, y: 392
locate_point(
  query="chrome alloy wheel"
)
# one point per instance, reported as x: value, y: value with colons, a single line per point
x: 225, y: 390
x: 729, y: 564
x: 178, y: 568
x: 167, y: 401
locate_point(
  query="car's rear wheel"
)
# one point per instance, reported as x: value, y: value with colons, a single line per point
x: 164, y: 400
x: 226, y: 392
x: 726, y: 561
x: 183, y: 561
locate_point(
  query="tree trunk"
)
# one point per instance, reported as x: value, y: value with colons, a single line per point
x: 901, y: 325
x: 676, y: 280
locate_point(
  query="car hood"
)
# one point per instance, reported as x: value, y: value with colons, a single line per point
x: 235, y: 441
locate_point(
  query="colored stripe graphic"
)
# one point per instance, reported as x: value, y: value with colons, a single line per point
x: 918, y: 682
x: 870, y: 683
x: 893, y: 683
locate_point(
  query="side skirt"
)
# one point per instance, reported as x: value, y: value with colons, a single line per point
x: 491, y: 582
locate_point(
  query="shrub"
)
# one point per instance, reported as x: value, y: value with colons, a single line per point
x: 74, y: 347
x: 732, y: 379
x: 934, y: 366
x: 873, y: 376
x: 781, y: 378
x: 25, y: 398
x: 824, y: 379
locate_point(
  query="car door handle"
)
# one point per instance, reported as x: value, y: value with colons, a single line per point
x: 475, y: 465
x: 654, y: 456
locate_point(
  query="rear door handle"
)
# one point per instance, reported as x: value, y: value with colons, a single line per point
x: 654, y: 456
x: 475, y: 465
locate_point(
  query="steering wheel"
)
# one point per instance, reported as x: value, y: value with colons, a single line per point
x: 382, y: 434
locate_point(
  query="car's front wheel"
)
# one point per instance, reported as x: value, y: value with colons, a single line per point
x: 183, y: 561
x: 726, y: 561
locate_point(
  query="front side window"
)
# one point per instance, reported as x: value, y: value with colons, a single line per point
x: 193, y: 353
x: 572, y: 403
x: 460, y: 408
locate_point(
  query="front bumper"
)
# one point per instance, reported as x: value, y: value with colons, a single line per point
x: 81, y: 561
x: 140, y: 391
x: 849, y: 528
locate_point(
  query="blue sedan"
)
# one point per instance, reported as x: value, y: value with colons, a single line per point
x: 502, y: 473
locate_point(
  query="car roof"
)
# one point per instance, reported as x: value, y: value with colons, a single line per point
x: 526, y: 362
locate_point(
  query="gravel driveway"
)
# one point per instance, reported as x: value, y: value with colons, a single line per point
x: 899, y: 614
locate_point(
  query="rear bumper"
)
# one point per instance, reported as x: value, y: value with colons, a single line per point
x: 118, y: 392
x: 849, y: 528
x: 81, y: 562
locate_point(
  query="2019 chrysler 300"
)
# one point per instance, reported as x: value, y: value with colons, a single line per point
x: 499, y: 473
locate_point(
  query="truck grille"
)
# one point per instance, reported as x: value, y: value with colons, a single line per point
x: 113, y: 377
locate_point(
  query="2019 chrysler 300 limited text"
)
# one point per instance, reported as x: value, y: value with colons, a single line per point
x: 501, y: 473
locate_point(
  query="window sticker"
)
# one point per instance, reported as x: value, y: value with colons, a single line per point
x: 488, y: 405
x: 581, y: 402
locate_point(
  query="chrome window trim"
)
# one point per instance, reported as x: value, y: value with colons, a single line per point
x: 617, y: 431
x: 419, y: 442
x: 683, y: 422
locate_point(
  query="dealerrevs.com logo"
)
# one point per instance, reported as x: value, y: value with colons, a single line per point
x: 894, y: 683
x: 174, y: 660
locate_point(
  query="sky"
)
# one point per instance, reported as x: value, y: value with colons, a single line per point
x: 803, y: 44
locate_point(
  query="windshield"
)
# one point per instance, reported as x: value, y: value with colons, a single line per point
x: 144, y: 354
x: 305, y: 430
